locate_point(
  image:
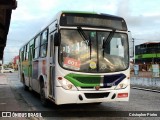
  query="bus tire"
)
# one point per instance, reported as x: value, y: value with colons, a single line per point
x: 44, y: 101
x: 25, y: 87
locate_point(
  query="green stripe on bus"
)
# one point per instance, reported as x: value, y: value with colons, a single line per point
x: 154, y: 55
x: 81, y: 12
x: 80, y: 80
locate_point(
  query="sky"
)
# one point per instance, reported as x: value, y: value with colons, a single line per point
x: 142, y: 18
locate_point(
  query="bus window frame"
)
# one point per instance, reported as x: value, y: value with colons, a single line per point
x: 22, y: 54
x: 44, y: 43
x: 31, y: 47
x: 27, y: 51
x: 63, y: 20
x: 37, y: 46
x: 97, y: 47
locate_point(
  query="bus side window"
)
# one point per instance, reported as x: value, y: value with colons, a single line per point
x: 44, y: 43
x: 31, y: 49
x: 36, y: 47
x: 27, y: 51
x: 22, y: 55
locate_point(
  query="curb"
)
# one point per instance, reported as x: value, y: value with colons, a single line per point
x: 152, y: 90
x: 8, y: 82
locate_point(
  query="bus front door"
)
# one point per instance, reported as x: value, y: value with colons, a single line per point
x: 52, y: 66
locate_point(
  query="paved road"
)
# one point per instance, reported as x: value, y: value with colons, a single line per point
x: 139, y: 101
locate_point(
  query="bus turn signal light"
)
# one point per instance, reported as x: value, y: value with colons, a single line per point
x: 122, y: 95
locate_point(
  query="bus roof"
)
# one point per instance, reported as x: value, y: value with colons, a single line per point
x: 91, y: 19
x: 89, y: 12
x: 88, y: 15
x: 82, y: 12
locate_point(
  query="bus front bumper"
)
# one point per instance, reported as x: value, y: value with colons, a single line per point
x: 63, y: 96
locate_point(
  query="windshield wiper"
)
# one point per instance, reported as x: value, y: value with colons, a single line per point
x: 84, y: 36
x: 110, y: 36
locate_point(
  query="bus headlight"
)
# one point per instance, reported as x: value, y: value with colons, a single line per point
x: 66, y: 84
x: 123, y: 84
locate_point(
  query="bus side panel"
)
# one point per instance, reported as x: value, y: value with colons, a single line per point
x: 25, y: 70
x: 35, y: 82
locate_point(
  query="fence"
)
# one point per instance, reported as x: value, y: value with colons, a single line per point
x: 145, y: 80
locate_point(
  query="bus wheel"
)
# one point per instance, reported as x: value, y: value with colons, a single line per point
x: 44, y: 101
x: 24, y: 85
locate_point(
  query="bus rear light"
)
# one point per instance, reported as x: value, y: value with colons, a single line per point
x: 122, y: 95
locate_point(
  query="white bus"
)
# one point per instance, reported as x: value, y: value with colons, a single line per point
x: 78, y: 58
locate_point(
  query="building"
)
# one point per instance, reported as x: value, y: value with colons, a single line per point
x: 147, y: 54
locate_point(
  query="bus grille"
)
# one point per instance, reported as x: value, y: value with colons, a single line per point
x: 96, y: 95
x: 101, y: 87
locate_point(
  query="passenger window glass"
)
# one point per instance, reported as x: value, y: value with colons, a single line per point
x: 36, y: 49
x: 44, y: 41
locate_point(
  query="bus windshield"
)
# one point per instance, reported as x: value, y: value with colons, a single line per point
x: 88, y: 53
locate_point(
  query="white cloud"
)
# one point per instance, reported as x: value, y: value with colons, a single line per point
x: 142, y: 16
x: 123, y: 8
x: 151, y: 14
x: 23, y: 15
x: 46, y: 5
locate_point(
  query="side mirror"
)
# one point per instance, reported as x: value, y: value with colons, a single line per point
x: 57, y: 39
x: 131, y: 45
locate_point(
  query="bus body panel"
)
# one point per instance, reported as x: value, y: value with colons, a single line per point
x: 64, y: 96
x: 39, y: 72
x: 87, y: 87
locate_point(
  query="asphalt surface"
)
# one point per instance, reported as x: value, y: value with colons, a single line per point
x: 140, y: 101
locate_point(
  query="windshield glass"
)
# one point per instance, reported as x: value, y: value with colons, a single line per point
x: 90, y: 54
